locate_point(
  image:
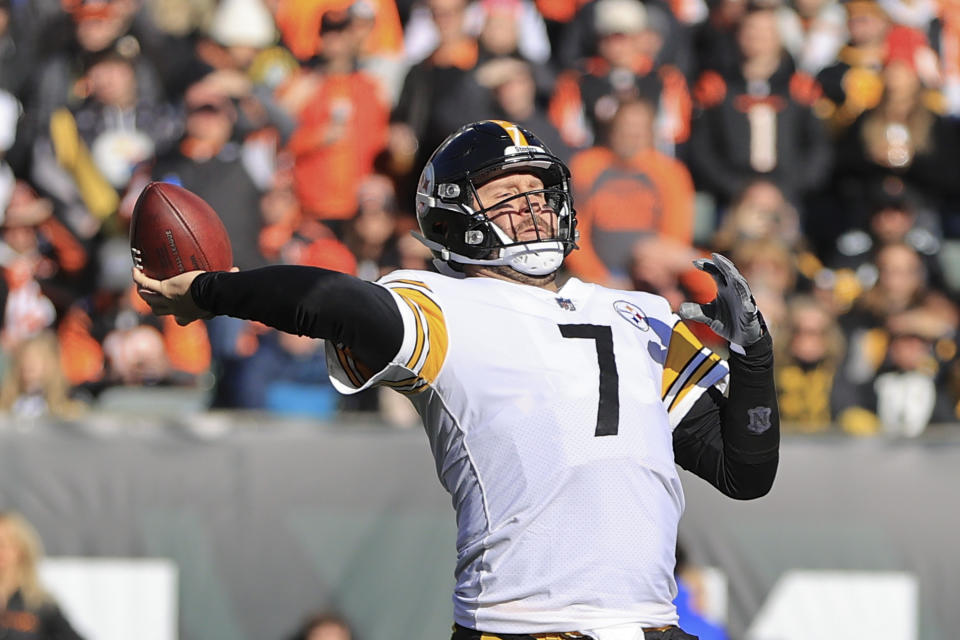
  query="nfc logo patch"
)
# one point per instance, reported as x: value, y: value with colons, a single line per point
x: 632, y: 314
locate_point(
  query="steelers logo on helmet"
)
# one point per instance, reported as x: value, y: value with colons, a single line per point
x: 459, y: 229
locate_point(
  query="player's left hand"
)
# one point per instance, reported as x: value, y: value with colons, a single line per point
x: 733, y: 313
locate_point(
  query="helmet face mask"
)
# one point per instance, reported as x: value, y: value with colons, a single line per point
x: 460, y: 231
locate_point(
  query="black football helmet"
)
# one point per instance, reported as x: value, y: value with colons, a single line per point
x: 457, y: 228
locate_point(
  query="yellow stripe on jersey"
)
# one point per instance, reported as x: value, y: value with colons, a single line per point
x: 683, y: 348
x: 703, y: 369
x: 514, y: 132
x: 434, y: 334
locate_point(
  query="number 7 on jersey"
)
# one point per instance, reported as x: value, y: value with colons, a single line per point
x: 608, y: 409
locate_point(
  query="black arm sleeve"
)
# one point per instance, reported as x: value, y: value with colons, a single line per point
x: 733, y: 443
x: 310, y: 302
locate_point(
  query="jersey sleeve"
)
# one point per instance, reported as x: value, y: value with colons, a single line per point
x: 422, y: 352
x: 689, y: 369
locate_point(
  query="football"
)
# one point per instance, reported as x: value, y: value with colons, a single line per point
x: 173, y: 230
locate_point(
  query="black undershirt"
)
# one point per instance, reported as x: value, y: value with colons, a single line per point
x: 732, y: 442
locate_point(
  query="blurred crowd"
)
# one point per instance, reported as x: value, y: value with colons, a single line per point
x: 814, y: 142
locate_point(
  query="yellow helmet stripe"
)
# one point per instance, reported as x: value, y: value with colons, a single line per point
x: 514, y: 132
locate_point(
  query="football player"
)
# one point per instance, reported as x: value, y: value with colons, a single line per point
x: 555, y: 414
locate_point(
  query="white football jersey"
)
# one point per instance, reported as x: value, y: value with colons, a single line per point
x: 550, y: 416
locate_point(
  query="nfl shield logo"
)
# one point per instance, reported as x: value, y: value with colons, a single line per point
x: 759, y: 419
x: 566, y: 304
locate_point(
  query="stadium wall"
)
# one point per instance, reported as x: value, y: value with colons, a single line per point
x: 267, y: 521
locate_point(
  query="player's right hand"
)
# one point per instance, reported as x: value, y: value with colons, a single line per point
x: 171, y: 297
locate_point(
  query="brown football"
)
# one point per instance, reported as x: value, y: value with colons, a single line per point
x: 173, y: 230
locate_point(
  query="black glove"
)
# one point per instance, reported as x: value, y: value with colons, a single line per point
x: 733, y: 313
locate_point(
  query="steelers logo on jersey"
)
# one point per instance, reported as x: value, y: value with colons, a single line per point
x: 632, y: 314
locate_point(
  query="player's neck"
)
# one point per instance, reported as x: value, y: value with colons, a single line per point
x: 503, y: 272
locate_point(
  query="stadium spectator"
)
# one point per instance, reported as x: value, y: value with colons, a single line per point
x: 99, y: 141
x: 299, y: 22
x: 810, y: 351
x: 17, y: 50
x: 324, y: 626
x: 441, y: 92
x: 893, y: 219
x: 514, y: 29
x: 901, y: 287
x: 249, y: 67
x: 813, y: 32
x: 627, y: 67
x: 281, y: 211
x: 209, y: 161
x: 557, y: 16
x: 96, y: 28
x: 371, y: 235
x: 377, y: 28
x: 756, y: 121
x: 342, y: 127
x: 580, y: 37
x: 34, y: 385
x: 759, y: 212
x: 515, y: 93
x: 852, y: 84
x: 136, y: 356
x: 627, y: 190
x: 179, y: 19
x: 27, y: 610
x: 411, y: 254
x: 770, y: 262
x: 715, y: 42
x: 903, y: 137
x: 27, y: 309
x: 286, y: 375
x: 762, y: 213
x: 36, y: 240
x: 910, y: 388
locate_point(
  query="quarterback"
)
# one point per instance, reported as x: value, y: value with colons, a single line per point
x: 556, y: 415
